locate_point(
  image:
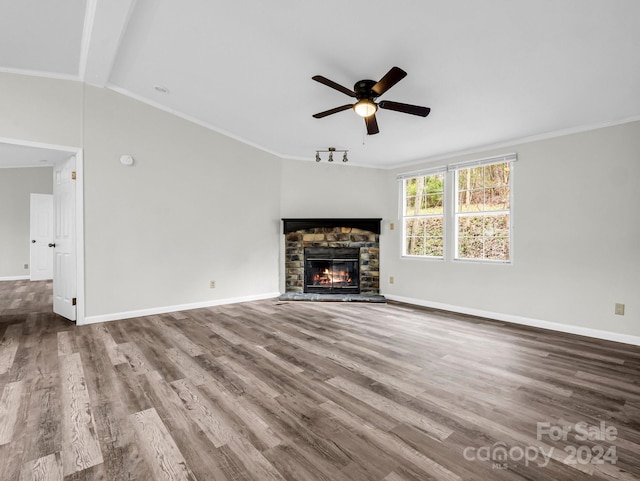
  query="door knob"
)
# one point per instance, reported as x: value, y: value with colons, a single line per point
x: 33, y: 241
x: 52, y: 244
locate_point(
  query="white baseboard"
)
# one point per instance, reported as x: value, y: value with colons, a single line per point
x: 526, y: 321
x: 15, y: 278
x: 116, y: 316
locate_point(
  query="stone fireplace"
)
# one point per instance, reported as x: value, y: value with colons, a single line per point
x: 332, y: 256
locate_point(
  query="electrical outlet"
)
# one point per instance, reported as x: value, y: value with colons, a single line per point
x: 619, y: 309
x: 391, y: 279
x: 212, y: 284
x: 26, y: 266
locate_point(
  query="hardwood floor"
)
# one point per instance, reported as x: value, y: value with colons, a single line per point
x: 299, y: 391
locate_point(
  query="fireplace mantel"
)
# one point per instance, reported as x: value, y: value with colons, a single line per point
x: 293, y: 225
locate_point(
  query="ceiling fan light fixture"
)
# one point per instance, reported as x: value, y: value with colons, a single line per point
x: 365, y: 107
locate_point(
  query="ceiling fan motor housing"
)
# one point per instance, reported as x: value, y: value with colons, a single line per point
x: 363, y: 89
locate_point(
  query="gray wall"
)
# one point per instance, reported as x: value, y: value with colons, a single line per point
x: 16, y: 185
x: 311, y: 189
x: 195, y: 206
x: 576, y: 249
x: 41, y: 109
x: 198, y: 206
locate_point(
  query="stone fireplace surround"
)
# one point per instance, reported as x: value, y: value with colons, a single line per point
x: 363, y: 233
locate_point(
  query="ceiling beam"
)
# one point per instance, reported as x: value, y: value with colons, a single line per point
x: 104, y: 26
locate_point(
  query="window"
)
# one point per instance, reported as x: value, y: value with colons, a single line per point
x: 423, y: 215
x: 483, y: 212
x: 460, y: 211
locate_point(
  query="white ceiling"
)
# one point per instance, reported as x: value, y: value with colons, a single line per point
x: 14, y: 155
x: 492, y: 71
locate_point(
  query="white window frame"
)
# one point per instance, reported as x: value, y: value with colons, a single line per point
x: 455, y: 169
x: 450, y: 206
x: 403, y: 190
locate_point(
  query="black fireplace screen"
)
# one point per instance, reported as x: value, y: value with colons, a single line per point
x: 332, y: 270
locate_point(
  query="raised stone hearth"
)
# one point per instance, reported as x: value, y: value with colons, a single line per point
x: 294, y: 296
x: 338, y: 235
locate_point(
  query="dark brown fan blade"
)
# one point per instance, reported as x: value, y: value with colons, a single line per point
x: 372, y: 124
x: 333, y: 85
x: 405, y: 108
x: 391, y: 78
x: 333, y: 111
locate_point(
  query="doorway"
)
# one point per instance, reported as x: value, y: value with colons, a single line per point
x: 69, y: 282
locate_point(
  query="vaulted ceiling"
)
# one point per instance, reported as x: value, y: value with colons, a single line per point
x: 492, y: 71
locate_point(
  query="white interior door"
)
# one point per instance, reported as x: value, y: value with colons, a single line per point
x: 64, y: 264
x: 41, y: 229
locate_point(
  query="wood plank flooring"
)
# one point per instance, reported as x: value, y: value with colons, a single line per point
x: 296, y: 391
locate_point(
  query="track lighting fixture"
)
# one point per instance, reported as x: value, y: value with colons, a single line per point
x: 331, y: 150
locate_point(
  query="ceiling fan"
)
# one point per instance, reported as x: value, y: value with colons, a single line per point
x: 366, y: 92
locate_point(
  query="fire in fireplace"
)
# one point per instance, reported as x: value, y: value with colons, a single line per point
x: 332, y: 277
x: 331, y: 270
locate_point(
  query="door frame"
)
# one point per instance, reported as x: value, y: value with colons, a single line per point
x: 77, y: 151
